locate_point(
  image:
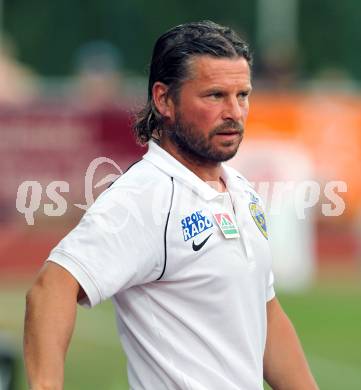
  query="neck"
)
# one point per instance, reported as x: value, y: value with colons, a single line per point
x: 208, y: 171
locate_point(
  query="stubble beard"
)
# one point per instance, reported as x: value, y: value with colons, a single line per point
x: 199, y: 148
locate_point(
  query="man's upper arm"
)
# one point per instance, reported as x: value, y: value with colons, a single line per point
x: 274, y: 309
x: 55, y: 278
x: 100, y: 252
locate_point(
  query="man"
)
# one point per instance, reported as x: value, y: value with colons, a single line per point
x: 179, y: 242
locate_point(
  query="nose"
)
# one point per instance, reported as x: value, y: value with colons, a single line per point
x: 233, y: 109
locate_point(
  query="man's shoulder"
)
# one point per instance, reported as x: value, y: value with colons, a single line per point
x: 138, y: 189
x: 141, y: 174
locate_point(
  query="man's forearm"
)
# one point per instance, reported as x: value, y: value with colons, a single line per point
x: 285, y: 365
x: 49, y: 322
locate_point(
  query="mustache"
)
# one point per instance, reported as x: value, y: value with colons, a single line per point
x: 228, y: 127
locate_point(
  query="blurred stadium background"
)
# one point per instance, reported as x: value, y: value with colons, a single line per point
x: 71, y: 74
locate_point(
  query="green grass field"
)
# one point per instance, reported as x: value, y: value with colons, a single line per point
x: 327, y: 318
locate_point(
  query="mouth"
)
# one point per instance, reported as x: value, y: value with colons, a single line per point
x: 229, y: 135
x: 228, y: 132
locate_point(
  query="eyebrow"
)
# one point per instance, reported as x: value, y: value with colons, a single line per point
x: 220, y: 89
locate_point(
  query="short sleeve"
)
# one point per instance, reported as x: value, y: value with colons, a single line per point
x: 270, y: 288
x: 116, y: 245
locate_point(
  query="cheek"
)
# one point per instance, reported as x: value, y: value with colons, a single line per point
x: 245, y: 111
x: 201, y: 117
x: 208, y: 117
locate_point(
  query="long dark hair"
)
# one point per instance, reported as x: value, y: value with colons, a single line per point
x: 169, y: 64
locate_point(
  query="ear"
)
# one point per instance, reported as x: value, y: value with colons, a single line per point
x: 162, y: 101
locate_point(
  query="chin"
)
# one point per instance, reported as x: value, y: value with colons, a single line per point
x: 224, y: 155
x: 229, y: 151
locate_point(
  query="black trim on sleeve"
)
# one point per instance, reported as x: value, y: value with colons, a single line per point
x: 166, y: 229
x: 130, y: 166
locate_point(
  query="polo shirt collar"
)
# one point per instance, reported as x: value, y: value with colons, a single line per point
x: 172, y: 167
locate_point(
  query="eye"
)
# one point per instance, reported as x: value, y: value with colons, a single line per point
x: 215, y: 95
x: 243, y: 95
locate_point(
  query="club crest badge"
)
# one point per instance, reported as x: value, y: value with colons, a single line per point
x: 259, y: 217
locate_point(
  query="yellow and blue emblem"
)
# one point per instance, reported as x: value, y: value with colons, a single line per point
x: 258, y: 217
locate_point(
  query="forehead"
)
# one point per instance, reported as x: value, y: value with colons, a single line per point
x: 211, y: 70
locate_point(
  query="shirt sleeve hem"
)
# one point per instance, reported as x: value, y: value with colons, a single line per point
x: 72, y: 265
x: 270, y: 294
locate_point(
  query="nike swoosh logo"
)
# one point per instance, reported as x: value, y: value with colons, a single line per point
x: 197, y: 247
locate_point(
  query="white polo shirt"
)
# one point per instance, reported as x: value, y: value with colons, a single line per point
x: 190, y: 303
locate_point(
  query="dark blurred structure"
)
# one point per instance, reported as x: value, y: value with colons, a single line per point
x: 98, y: 80
x: 8, y: 361
x: 309, y: 35
x: 18, y: 84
